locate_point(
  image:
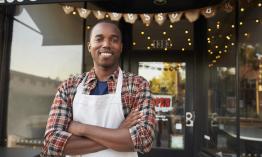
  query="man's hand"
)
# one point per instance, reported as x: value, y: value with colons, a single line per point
x: 132, y: 119
x: 118, y: 139
x: 75, y: 128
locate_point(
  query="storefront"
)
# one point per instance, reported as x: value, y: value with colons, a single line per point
x: 202, y: 59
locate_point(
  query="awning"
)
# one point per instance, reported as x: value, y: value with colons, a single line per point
x: 55, y: 27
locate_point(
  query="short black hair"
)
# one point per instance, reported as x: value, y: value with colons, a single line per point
x: 105, y: 21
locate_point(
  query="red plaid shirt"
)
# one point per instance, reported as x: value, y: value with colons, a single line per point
x: 135, y: 95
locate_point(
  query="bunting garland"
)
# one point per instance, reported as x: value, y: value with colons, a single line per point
x: 160, y: 18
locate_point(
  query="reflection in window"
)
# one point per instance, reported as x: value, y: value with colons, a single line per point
x: 250, y: 79
x: 167, y: 83
x: 222, y: 126
x: 222, y: 102
x: 43, y: 54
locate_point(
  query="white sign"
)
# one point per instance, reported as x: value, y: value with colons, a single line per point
x: 177, y: 141
x: 178, y: 126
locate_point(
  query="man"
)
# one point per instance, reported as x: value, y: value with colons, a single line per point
x: 104, y: 112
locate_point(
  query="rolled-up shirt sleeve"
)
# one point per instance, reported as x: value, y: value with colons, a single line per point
x: 60, y: 115
x: 142, y: 134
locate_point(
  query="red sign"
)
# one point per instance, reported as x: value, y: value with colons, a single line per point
x: 163, y: 103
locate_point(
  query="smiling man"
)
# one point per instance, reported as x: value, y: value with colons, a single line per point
x: 105, y: 112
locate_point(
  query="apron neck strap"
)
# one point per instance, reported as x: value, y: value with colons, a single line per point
x: 119, y: 81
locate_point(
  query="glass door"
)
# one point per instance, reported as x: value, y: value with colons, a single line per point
x: 167, y: 82
x: 170, y: 81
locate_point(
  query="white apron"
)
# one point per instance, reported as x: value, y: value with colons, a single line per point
x: 101, y: 110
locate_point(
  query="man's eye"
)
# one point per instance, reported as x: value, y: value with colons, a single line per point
x: 98, y: 39
x: 115, y: 39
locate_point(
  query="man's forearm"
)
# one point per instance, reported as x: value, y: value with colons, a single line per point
x: 117, y: 139
x: 81, y: 145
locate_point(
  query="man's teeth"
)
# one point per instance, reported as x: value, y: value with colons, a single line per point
x: 106, y: 54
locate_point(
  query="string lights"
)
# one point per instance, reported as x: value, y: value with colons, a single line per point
x: 218, y: 48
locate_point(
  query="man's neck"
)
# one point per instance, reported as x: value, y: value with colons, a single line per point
x: 102, y: 73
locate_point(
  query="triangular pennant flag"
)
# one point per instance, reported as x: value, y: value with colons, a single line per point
x: 99, y: 14
x: 68, y: 9
x: 192, y: 15
x: 146, y: 18
x: 227, y: 7
x: 84, y: 13
x: 208, y: 12
x: 115, y: 16
x: 175, y: 17
x: 160, y: 18
x: 130, y: 18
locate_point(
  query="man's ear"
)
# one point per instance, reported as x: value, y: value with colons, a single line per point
x: 88, y: 46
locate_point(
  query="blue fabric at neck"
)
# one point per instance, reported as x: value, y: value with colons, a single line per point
x: 100, y: 89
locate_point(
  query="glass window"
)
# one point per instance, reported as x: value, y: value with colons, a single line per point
x: 46, y: 49
x: 167, y: 82
x: 222, y: 101
x: 222, y: 115
x: 250, y: 77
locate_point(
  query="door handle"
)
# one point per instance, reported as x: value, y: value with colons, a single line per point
x: 190, y: 117
x: 214, y: 121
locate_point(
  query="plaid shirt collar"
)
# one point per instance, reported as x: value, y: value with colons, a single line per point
x: 91, y: 76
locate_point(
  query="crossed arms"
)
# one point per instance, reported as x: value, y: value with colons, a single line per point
x: 89, y: 138
x: 64, y: 136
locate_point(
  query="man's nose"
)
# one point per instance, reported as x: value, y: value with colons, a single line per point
x: 106, y: 43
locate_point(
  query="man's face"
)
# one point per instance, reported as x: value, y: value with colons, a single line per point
x: 105, y: 45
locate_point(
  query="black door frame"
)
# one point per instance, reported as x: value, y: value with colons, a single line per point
x: 201, y: 79
x: 6, y: 30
